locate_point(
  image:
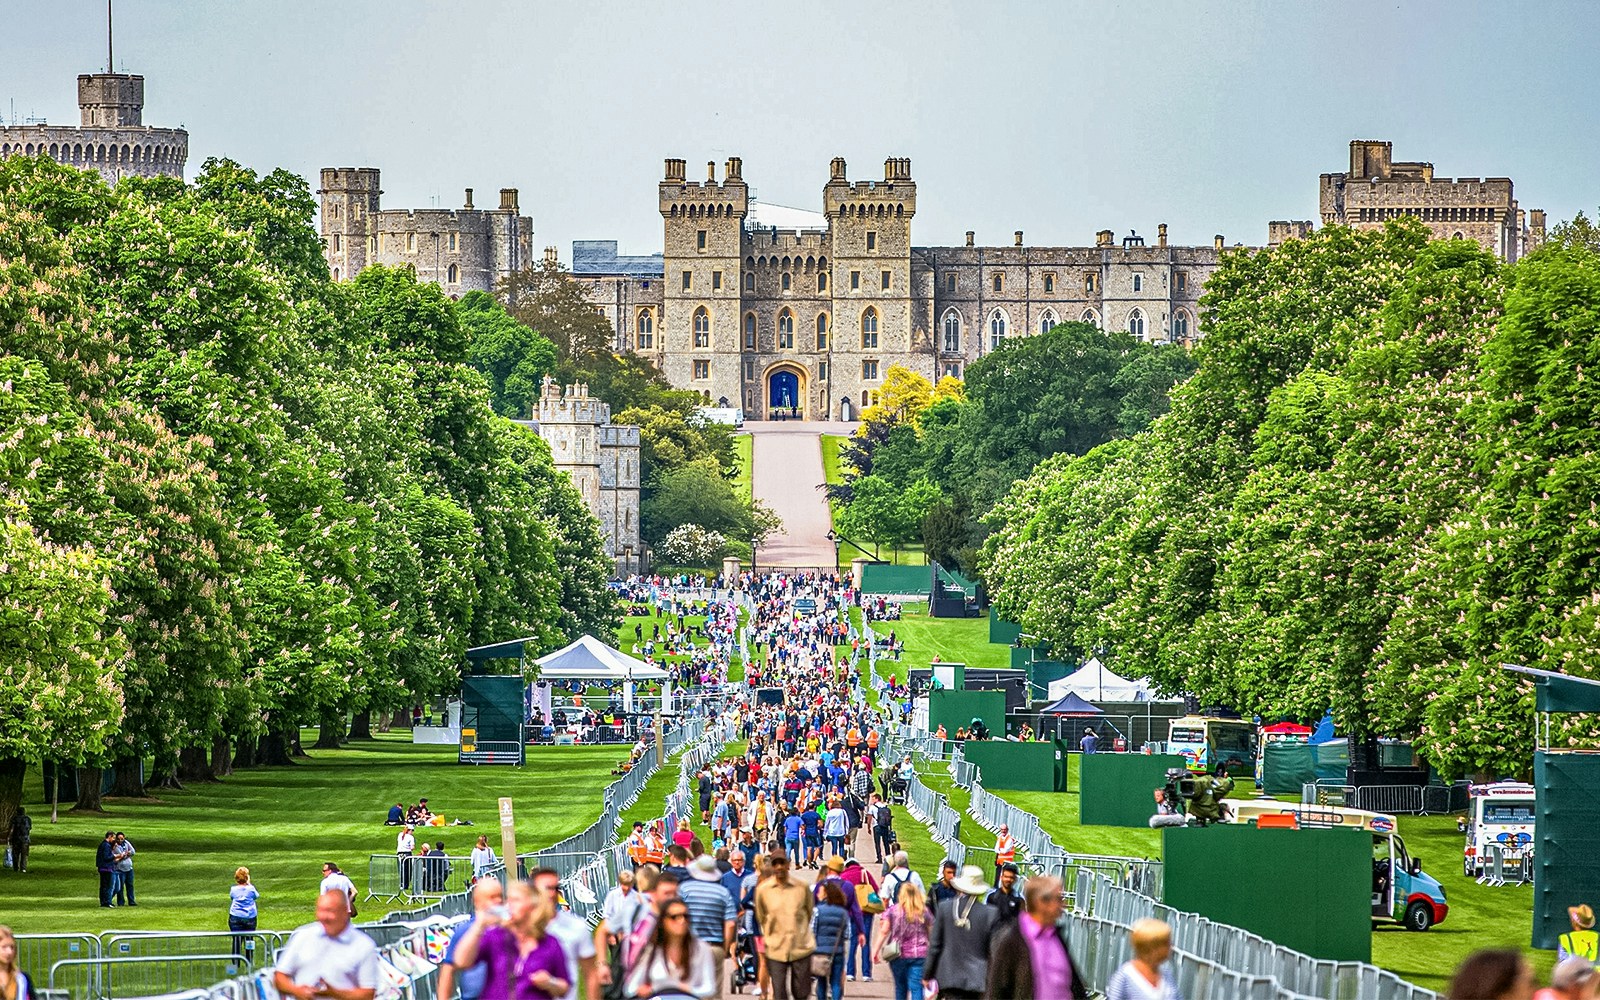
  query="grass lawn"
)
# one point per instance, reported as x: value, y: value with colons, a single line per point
x: 743, y: 450
x: 953, y: 640
x: 282, y: 823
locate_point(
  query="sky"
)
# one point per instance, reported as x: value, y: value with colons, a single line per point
x: 1057, y: 118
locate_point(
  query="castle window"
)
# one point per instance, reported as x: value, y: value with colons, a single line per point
x: 1090, y: 316
x: 786, y: 330
x: 999, y: 283
x: 997, y: 328
x: 1136, y: 324
x: 885, y: 280
x: 822, y: 281
x: 749, y: 370
x: 1047, y: 321
x: 688, y: 280
x: 1088, y: 283
x: 872, y: 241
x: 855, y: 281
x: 1049, y: 281
x: 950, y: 283
x: 952, y: 370
x: 749, y: 331
x: 716, y: 281
x: 822, y: 331
x: 336, y: 245
x: 336, y: 274
x: 784, y: 281
x: 452, y: 275
x: 1182, y: 279
x: 822, y: 371
x: 454, y: 245
x: 749, y: 281
x: 372, y: 245
x: 1138, y: 282
x: 702, y: 370
x: 1180, y: 326
x: 411, y: 242
x: 869, y: 328
x: 644, y: 326
x: 702, y: 327
x: 952, y: 332
x: 700, y: 240
x: 869, y: 370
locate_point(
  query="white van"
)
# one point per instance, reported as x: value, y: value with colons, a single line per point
x: 1499, y: 814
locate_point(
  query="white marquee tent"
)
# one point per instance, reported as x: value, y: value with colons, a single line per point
x: 589, y: 659
x: 1093, y: 682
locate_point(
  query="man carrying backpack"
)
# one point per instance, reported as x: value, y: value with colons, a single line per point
x: 882, y: 819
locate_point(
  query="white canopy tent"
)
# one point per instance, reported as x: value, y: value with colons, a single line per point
x: 1093, y: 682
x: 589, y: 659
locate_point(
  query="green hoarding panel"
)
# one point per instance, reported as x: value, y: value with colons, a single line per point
x: 886, y: 578
x: 1001, y: 631
x: 1118, y: 789
x: 1309, y: 889
x: 498, y: 701
x: 956, y: 710
x: 1565, y: 694
x: 1025, y: 767
x: 1285, y: 767
x: 1566, y: 840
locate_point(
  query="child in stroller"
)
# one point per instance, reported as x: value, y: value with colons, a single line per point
x: 746, y: 960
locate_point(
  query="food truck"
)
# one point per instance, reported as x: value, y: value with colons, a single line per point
x: 1499, y: 814
x: 1278, y: 732
x: 1205, y: 741
x: 1401, y: 892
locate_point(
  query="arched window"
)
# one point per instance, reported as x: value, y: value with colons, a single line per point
x: 869, y: 328
x: 1180, y: 326
x: 822, y: 281
x: 702, y: 327
x: 749, y: 331
x: 452, y: 274
x: 644, y: 326
x: 749, y: 281
x: 786, y: 331
x: 1138, y: 282
x: 1136, y: 324
x: 997, y: 328
x: 1047, y: 321
x: 952, y: 332
x: 1090, y: 316
x: 822, y: 331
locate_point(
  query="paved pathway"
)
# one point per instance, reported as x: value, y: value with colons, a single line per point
x: 786, y: 473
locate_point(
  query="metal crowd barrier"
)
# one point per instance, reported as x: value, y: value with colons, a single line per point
x: 1499, y: 870
x: 1218, y: 961
x: 140, y: 976
x: 1407, y: 800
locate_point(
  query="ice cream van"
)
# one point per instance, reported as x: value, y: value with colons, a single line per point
x: 1499, y: 814
x: 1401, y: 892
x: 1278, y: 732
x: 1204, y: 742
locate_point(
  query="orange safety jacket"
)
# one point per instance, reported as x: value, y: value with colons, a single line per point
x: 1005, y: 849
x: 637, y: 850
x: 872, y: 740
x: 853, y: 738
x: 655, y: 850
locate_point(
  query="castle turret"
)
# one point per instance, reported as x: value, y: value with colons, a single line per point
x: 702, y: 260
x: 349, y: 200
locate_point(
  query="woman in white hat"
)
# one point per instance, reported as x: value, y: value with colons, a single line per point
x: 957, y: 966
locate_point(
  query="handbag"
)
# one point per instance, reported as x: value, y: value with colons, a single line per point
x: 822, y: 965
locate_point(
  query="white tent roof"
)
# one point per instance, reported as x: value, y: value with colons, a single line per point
x: 1093, y: 682
x: 591, y: 659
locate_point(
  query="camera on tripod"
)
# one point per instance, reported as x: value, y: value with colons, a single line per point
x: 1179, y: 788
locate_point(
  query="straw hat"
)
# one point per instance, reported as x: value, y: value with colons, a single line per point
x: 835, y: 864
x: 1582, y: 916
x: 972, y: 882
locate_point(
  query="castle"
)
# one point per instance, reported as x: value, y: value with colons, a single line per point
x: 111, y: 137
x: 461, y: 250
x: 601, y: 459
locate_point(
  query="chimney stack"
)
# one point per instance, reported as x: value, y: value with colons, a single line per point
x: 836, y: 169
x: 550, y: 255
x: 734, y: 168
x: 469, y: 200
x: 1103, y: 238
x: 508, y: 199
x: 711, y: 171
x: 1161, y: 235
x: 1216, y: 241
x: 970, y: 235
x: 1017, y: 238
x: 674, y: 170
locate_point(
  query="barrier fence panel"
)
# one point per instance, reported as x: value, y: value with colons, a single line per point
x: 255, y: 947
x: 108, y: 978
x: 40, y: 951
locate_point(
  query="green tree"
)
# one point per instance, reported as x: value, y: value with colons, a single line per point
x: 510, y: 355
x: 549, y: 299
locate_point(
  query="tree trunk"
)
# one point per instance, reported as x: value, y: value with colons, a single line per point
x: 274, y: 750
x: 293, y: 742
x: 193, y: 765
x: 361, y: 726
x: 126, y: 783
x: 221, y: 757
x: 12, y: 771
x: 89, y: 790
x: 248, y: 753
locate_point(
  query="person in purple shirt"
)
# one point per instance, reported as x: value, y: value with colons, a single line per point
x: 1030, y: 957
x: 522, y: 960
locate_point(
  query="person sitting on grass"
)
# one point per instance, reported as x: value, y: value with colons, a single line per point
x: 397, y: 815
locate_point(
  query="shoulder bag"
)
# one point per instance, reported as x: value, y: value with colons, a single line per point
x: 822, y: 965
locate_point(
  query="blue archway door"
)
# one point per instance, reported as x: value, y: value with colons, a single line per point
x: 783, y: 395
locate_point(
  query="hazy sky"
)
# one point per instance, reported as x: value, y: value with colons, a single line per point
x: 1057, y: 118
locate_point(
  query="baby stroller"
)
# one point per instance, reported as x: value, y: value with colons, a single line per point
x: 898, y: 788
x: 746, y: 970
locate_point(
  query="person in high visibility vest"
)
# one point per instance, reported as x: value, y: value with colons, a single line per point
x: 637, y: 846
x: 1582, y: 940
x: 872, y: 746
x: 1005, y: 851
x: 655, y: 851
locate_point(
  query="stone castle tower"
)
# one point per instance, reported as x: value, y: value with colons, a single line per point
x: 601, y: 459
x: 704, y: 227
x: 461, y: 250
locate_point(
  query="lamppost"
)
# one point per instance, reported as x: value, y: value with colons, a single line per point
x: 833, y: 537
